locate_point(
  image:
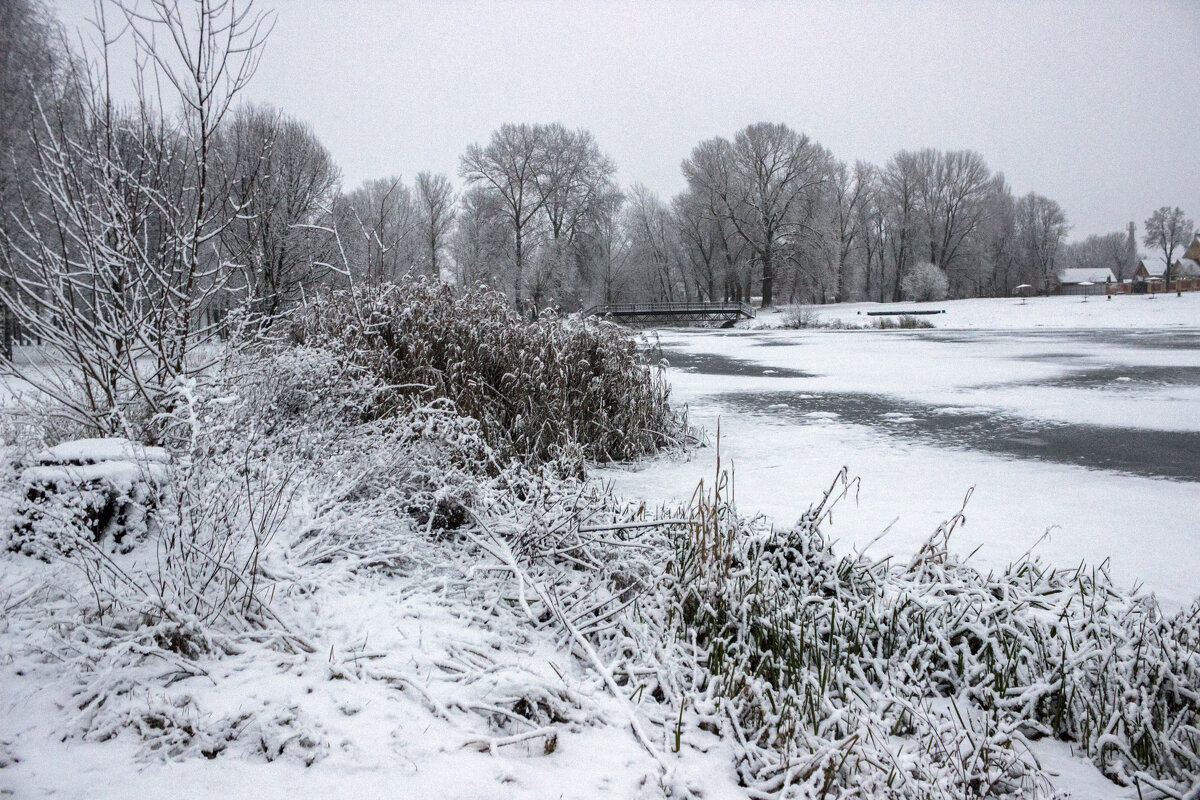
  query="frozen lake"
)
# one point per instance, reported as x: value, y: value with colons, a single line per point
x: 1093, y: 436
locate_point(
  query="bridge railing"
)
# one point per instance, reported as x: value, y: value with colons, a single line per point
x: 666, y: 307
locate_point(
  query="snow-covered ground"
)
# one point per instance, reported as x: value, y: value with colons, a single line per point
x: 395, y: 705
x: 1081, y: 431
x: 1079, y: 442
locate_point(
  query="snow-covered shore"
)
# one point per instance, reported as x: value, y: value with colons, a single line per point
x: 1034, y: 313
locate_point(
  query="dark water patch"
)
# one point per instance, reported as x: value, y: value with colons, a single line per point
x: 1053, y: 357
x: 1157, y: 340
x: 712, y: 364
x: 1140, y: 338
x: 1126, y: 377
x: 1155, y: 454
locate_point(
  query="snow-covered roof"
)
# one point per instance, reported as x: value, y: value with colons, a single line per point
x: 1193, y: 249
x: 1153, y: 265
x: 1082, y: 275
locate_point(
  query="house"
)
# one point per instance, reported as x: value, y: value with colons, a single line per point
x: 1148, y: 277
x: 1186, y: 269
x: 1093, y: 280
x: 1149, y: 268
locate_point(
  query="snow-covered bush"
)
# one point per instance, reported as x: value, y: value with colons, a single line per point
x: 800, y: 317
x: 925, y: 282
x: 89, y: 492
x: 904, y: 321
x: 547, y: 389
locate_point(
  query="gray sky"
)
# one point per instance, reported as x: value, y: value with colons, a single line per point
x: 1094, y: 104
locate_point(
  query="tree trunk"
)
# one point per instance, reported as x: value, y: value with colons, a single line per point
x: 519, y: 265
x: 768, y: 279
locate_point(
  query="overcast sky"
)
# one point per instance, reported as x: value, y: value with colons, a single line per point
x: 1094, y: 104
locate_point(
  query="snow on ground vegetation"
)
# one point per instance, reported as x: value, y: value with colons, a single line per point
x: 352, y: 585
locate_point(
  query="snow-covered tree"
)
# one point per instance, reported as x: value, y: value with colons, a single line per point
x: 1109, y: 251
x: 286, y: 180
x: 378, y: 222
x: 926, y: 281
x: 117, y: 255
x: 480, y: 243
x: 769, y: 181
x: 435, y: 201
x: 508, y: 166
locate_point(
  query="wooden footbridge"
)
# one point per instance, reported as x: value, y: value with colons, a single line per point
x: 667, y: 313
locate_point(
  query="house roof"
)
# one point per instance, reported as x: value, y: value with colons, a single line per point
x: 1186, y: 268
x: 1152, y: 264
x: 1193, y: 250
x: 1080, y: 275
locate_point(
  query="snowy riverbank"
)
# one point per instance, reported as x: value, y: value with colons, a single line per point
x: 1035, y: 313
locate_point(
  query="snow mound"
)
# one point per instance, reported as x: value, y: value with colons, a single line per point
x: 95, y: 451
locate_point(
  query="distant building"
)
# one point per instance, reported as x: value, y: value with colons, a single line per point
x: 1185, y: 272
x: 1085, y: 280
x: 1187, y: 267
x: 1148, y: 268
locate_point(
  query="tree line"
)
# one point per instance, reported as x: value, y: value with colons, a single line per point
x: 198, y: 204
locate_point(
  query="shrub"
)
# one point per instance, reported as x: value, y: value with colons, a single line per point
x: 800, y: 317
x: 925, y: 282
x: 903, y: 321
x: 547, y: 389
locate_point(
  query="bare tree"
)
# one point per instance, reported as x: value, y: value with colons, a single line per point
x: 480, y: 241
x: 848, y: 192
x: 654, y: 250
x: 574, y: 179
x: 115, y: 284
x: 380, y: 224
x: 769, y: 181
x: 34, y: 69
x: 285, y: 179
x: 33, y: 65
x: 1166, y: 229
x: 955, y: 189
x: 872, y: 227
x: 609, y: 248
x: 509, y: 166
x: 1000, y: 247
x: 1100, y: 252
x: 1130, y: 260
x: 435, y: 216
x: 901, y: 203
x: 1041, y: 227
x: 700, y: 237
